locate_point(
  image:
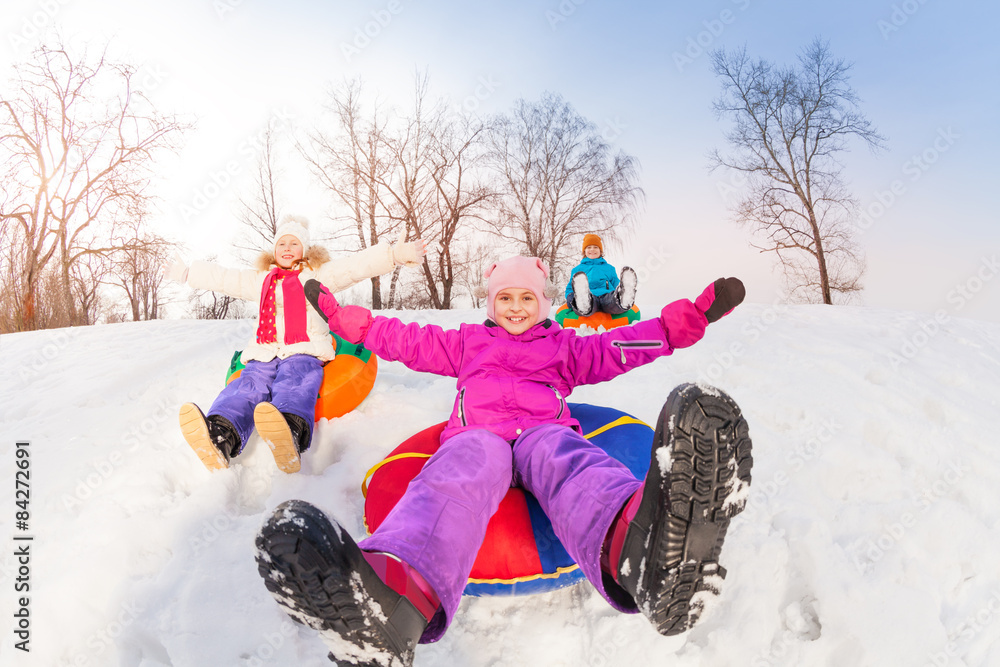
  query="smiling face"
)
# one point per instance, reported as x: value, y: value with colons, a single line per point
x: 516, y: 310
x: 592, y: 252
x: 287, y: 251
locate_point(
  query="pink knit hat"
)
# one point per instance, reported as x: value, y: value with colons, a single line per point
x: 519, y: 272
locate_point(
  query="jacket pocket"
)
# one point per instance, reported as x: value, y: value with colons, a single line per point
x: 636, y: 345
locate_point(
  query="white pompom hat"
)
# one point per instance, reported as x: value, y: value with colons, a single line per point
x: 293, y: 225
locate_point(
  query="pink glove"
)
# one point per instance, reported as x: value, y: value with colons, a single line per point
x: 349, y: 322
x: 685, y: 322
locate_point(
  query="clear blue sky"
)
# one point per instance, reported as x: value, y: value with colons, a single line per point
x: 927, y: 73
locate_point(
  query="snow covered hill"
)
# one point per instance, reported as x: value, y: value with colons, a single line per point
x: 871, y: 537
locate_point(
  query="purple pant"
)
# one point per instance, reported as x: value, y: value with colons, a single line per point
x: 290, y: 384
x: 440, y: 522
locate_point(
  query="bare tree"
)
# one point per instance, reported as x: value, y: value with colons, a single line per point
x: 418, y: 171
x: 350, y: 163
x: 210, y: 305
x: 77, y: 144
x: 404, y: 188
x: 462, y: 192
x: 85, y: 278
x: 217, y: 306
x: 789, y: 126
x: 260, y: 212
x: 433, y: 185
x: 137, y: 270
x: 469, y: 273
x: 558, y: 180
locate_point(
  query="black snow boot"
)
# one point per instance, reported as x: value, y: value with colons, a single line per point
x: 286, y: 434
x: 669, y: 561
x: 301, y: 433
x: 583, y: 300
x: 317, y: 573
x: 214, y: 439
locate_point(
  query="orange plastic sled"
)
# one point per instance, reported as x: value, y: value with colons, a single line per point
x: 347, y: 379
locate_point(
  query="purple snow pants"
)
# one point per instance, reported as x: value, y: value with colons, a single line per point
x: 440, y: 522
x: 290, y: 384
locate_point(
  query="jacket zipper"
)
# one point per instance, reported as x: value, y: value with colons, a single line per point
x: 461, y: 406
x: 562, y: 401
x: 638, y: 344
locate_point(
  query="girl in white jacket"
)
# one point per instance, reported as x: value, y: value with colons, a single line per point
x: 277, y: 390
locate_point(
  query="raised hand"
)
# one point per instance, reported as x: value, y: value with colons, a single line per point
x: 720, y: 298
x: 410, y: 253
x: 176, y: 270
x: 685, y: 321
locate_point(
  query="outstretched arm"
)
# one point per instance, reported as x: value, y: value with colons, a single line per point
x: 238, y: 283
x: 428, y: 349
x: 377, y: 260
x: 681, y: 324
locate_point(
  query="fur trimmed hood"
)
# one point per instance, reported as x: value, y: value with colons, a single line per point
x: 316, y: 256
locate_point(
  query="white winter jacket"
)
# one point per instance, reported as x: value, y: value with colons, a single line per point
x: 247, y: 284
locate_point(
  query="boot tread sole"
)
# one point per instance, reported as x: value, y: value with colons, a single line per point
x: 311, y: 568
x: 710, y: 444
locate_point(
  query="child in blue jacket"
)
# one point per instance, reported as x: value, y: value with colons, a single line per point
x: 594, y: 285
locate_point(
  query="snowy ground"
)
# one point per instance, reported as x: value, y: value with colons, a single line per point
x: 871, y: 537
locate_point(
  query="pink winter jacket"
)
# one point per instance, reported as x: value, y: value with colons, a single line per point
x: 508, y: 383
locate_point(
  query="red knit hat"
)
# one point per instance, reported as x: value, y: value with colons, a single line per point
x: 592, y: 239
x: 519, y: 272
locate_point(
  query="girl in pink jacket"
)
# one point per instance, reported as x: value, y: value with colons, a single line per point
x: 646, y: 545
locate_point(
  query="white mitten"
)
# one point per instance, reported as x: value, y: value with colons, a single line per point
x: 409, y: 254
x: 177, y: 270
